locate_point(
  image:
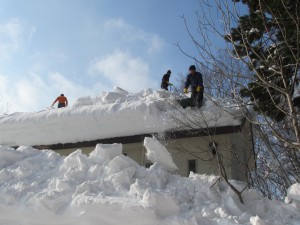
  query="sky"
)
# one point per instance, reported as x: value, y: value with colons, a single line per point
x: 84, y: 47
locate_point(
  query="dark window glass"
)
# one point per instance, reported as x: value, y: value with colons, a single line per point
x: 192, y: 165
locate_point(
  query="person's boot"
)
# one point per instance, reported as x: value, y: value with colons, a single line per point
x: 199, y: 104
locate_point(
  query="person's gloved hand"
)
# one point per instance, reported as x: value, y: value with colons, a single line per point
x: 185, y: 90
x: 198, y: 89
x: 170, y: 84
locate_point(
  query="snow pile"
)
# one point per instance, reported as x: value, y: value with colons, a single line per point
x: 106, y: 187
x: 156, y: 152
x: 294, y: 192
x: 109, y: 115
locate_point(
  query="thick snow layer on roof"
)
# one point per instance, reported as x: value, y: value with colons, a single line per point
x: 106, y: 187
x: 112, y: 114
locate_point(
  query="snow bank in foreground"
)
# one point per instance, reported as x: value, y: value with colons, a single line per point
x: 106, y: 187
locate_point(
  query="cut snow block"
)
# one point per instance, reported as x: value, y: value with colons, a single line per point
x: 111, y: 97
x: 165, y: 205
x: 120, y: 91
x: 294, y: 192
x: 157, y: 153
x: 83, y: 101
x: 106, y: 151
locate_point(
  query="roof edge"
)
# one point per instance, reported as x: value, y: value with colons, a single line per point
x: 172, y: 134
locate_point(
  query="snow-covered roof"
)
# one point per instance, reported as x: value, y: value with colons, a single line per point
x: 112, y: 114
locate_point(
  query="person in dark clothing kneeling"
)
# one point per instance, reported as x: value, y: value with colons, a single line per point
x: 195, y: 80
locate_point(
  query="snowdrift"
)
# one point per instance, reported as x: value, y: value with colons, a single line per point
x: 106, y: 187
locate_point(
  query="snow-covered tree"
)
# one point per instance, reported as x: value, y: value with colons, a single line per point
x: 268, y: 37
x: 263, y: 36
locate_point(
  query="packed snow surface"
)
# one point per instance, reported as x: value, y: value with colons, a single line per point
x: 106, y: 187
x: 112, y: 114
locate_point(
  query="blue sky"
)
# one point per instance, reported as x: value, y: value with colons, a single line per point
x: 84, y: 47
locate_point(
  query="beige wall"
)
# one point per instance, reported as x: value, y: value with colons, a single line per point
x: 196, y: 148
x: 242, y: 152
x: 235, y: 149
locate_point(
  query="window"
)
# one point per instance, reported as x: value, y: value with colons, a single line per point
x: 192, y: 166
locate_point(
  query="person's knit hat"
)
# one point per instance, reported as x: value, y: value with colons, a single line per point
x: 192, y: 67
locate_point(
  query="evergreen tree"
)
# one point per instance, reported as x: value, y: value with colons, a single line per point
x: 267, y: 38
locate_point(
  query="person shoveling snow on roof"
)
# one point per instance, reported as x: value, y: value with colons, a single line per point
x: 165, y: 80
x: 195, y: 80
x: 62, y: 101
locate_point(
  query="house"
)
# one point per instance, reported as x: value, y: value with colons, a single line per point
x: 192, y: 136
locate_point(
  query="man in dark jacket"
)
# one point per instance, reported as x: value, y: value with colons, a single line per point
x: 165, y: 80
x: 195, y: 80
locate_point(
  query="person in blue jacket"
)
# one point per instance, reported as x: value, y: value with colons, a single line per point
x: 195, y: 80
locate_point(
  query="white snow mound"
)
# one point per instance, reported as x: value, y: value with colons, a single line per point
x: 106, y: 187
x: 157, y: 153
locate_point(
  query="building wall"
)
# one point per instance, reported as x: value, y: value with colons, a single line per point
x: 197, y: 148
x: 235, y: 150
x: 242, y: 153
